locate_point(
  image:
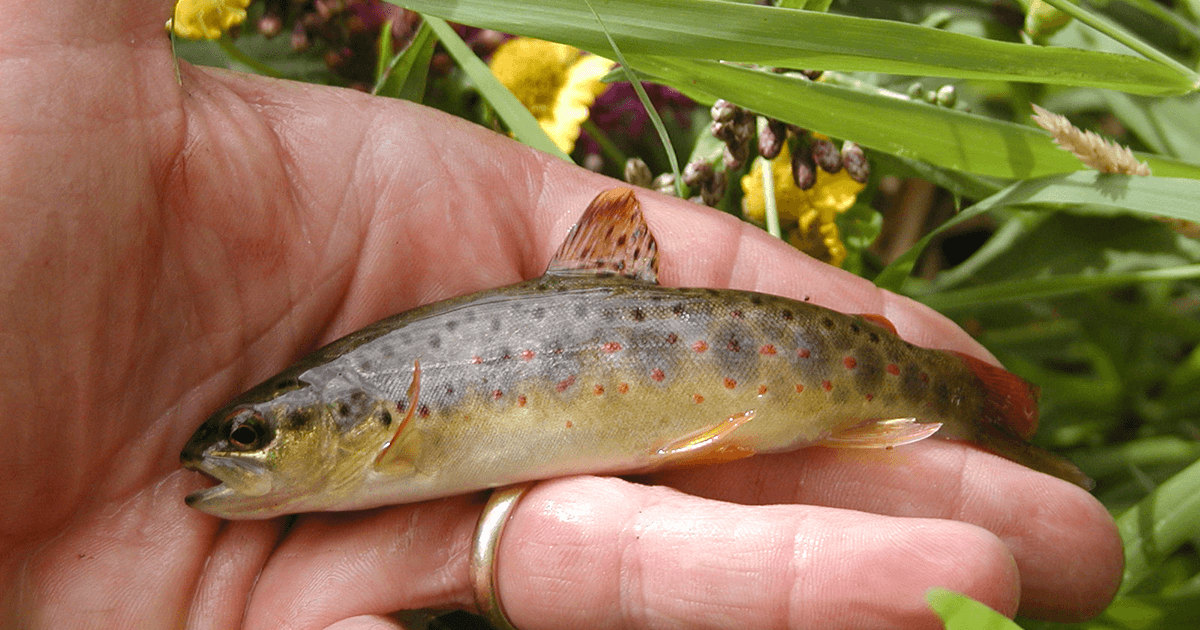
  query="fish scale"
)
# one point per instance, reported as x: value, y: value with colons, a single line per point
x: 592, y: 368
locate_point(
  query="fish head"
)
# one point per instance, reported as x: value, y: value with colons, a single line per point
x: 269, y: 457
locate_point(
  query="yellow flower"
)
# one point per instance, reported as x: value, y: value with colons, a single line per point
x: 555, y: 82
x: 812, y: 212
x: 206, y: 19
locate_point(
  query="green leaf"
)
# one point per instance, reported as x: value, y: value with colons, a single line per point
x: 518, y: 119
x: 960, y: 612
x: 1157, y: 526
x: 940, y: 136
x: 1148, y: 196
x: 776, y: 36
x: 405, y: 74
x: 1054, y: 286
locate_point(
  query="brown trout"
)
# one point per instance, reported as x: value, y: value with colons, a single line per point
x: 591, y: 368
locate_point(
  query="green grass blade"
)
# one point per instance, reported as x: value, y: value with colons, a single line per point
x: 776, y: 36
x: 1113, y: 30
x: 1054, y: 286
x: 636, y: 83
x: 1159, y: 524
x: 518, y: 119
x: 960, y: 612
x: 404, y: 76
x: 941, y: 136
x: 1149, y: 196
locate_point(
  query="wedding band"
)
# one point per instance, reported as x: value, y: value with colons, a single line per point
x: 483, y: 552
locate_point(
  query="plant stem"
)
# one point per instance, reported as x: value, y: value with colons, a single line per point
x: 771, y: 209
x: 610, y: 150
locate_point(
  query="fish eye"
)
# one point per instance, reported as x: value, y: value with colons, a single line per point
x: 248, y: 430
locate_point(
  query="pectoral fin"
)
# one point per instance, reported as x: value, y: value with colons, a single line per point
x: 400, y: 450
x: 887, y: 433
x: 713, y: 445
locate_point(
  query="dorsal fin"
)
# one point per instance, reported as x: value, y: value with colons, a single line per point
x: 611, y: 237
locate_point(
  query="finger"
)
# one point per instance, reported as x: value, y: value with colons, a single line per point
x: 599, y: 552
x: 1064, y: 541
x: 335, y: 566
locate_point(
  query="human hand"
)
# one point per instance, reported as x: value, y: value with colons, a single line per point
x: 168, y: 246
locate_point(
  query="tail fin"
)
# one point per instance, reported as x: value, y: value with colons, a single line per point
x: 1010, y: 419
x: 1011, y: 402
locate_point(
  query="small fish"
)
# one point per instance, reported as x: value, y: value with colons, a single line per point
x: 591, y: 368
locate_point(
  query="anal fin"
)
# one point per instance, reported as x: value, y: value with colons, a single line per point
x: 887, y: 433
x: 712, y: 445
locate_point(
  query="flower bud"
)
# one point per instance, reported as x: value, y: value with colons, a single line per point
x: 637, y: 173
x: 715, y: 190
x: 697, y: 174
x: 665, y: 184
x: 855, y: 161
x: 803, y: 170
x: 770, y: 140
x: 723, y: 111
x: 735, y: 157
x: 947, y: 96
x: 723, y: 131
x: 826, y: 155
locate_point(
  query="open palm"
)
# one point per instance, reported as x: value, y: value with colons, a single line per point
x: 168, y: 245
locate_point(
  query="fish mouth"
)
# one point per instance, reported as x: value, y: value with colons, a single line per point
x: 238, y: 480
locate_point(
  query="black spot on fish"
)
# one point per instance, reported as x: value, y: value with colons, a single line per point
x: 541, y: 286
x: 874, y: 337
x: 621, y: 240
x: 496, y: 324
x: 581, y: 311
x: 366, y: 365
x: 787, y: 315
x: 538, y: 313
x: 344, y: 409
x: 451, y: 325
x: 287, y: 383
x: 384, y: 416
x: 827, y: 322
x: 855, y: 329
x: 734, y: 345
x: 435, y: 341
x: 712, y: 292
x: 423, y: 411
x: 756, y: 300
x: 637, y: 315
x: 678, y: 309
x: 298, y: 419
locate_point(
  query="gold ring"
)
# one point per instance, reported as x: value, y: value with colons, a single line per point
x: 495, y: 515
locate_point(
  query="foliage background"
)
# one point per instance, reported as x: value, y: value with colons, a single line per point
x: 1070, y: 277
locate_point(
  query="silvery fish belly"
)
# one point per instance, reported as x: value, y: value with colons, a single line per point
x: 591, y: 368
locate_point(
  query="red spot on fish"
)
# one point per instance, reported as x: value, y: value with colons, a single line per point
x: 736, y: 314
x: 477, y: 359
x: 506, y: 356
x: 803, y: 353
x: 569, y: 424
x: 762, y: 389
x: 497, y: 394
x: 657, y: 375
x: 730, y: 383
x: 565, y: 383
x: 528, y: 354
x: 870, y: 397
x: 698, y: 398
x: 850, y: 362
x: 672, y: 338
x: 799, y: 388
x: 598, y: 389
x: 924, y: 377
x: 623, y: 388
x: 423, y: 411
x: 734, y: 346
x: 611, y: 347
x: 700, y: 346
x: 826, y: 385
x: 892, y: 368
x: 521, y: 400
x: 768, y: 350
